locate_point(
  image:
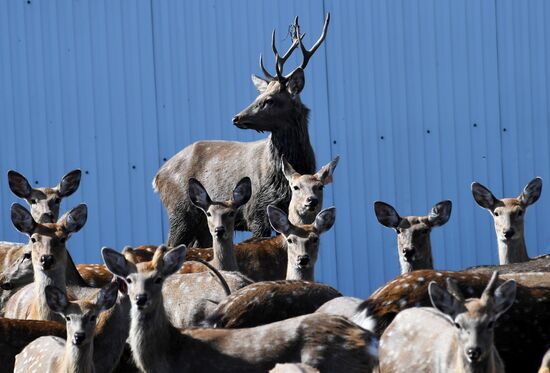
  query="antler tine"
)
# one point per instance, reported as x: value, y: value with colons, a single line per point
x: 491, y: 287
x: 305, y: 52
x: 280, y: 61
x: 264, y: 70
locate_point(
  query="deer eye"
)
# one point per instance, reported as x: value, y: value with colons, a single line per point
x: 33, y: 240
x: 289, y: 240
x: 208, y: 214
x: 33, y: 201
x: 457, y: 325
x: 68, y: 318
x: 27, y: 255
x: 128, y: 280
x: 496, y: 213
x: 268, y: 101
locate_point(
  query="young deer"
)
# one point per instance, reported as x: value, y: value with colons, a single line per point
x: 220, y: 216
x: 456, y: 336
x: 269, y: 301
x: 75, y: 354
x: 508, y: 216
x: 307, y: 192
x: 327, y: 343
x: 219, y: 164
x: 521, y: 334
x: 414, y: 246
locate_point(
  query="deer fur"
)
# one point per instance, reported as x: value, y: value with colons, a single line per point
x: 545, y: 365
x: 327, y: 343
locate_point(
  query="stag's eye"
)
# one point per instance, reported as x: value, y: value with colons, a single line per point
x: 268, y: 101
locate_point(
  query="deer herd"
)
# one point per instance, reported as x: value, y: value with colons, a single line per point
x: 205, y: 303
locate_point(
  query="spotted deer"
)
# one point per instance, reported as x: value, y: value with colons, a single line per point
x: 328, y: 343
x: 269, y: 301
x: 508, y: 216
x: 219, y: 164
x: 76, y: 352
x: 307, y: 191
x: 521, y: 334
x: 457, y: 335
x: 414, y: 246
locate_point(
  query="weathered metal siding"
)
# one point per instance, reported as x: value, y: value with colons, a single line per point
x: 419, y: 98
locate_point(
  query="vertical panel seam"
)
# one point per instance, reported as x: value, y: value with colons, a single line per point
x: 499, y: 98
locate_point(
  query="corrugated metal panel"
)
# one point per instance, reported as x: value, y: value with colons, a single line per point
x: 418, y: 97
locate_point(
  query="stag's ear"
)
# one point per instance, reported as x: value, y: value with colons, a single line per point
x: 22, y: 219
x: 443, y: 300
x: 386, y: 214
x: 173, y: 260
x: 531, y: 192
x: 325, y: 173
x: 325, y: 219
x: 296, y: 82
x: 242, y: 192
x: 106, y: 297
x: 69, y: 183
x: 19, y: 184
x: 440, y: 213
x: 259, y: 83
x: 504, y: 297
x: 198, y: 195
x: 56, y: 299
x: 75, y: 219
x: 483, y: 196
x: 116, y: 263
x: 278, y: 219
x: 288, y: 170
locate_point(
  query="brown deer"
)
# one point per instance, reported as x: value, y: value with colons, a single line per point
x: 521, y: 334
x: 328, y: 343
x: 457, y: 335
x: 269, y: 301
x: 307, y: 192
x: 508, y: 216
x: 221, y: 164
x: 414, y: 246
x: 76, y: 352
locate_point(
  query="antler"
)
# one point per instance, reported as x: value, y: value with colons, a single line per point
x: 491, y: 287
x: 296, y: 41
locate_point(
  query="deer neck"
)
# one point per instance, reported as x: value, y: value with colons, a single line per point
x: 295, y: 273
x: 224, y: 254
x: 512, y: 251
x: 78, y: 359
x: 42, y: 279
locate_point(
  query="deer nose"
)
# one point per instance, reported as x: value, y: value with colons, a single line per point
x: 47, y: 261
x: 312, y: 201
x: 219, y: 231
x: 303, y: 260
x: 236, y: 119
x: 141, y: 299
x: 408, y: 253
x: 473, y: 353
x: 78, y: 338
x: 509, y: 233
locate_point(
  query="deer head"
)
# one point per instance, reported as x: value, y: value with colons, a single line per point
x: 413, y: 233
x: 44, y: 202
x: 220, y: 215
x: 18, y: 271
x: 47, y: 240
x: 302, y: 241
x: 474, y: 319
x: 279, y: 97
x: 307, y: 191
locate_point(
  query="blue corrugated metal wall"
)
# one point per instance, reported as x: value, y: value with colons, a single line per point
x: 418, y: 97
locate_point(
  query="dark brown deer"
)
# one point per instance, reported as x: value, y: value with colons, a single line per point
x: 522, y: 334
x: 328, y: 343
x: 265, y: 302
x: 219, y: 165
x: 414, y: 246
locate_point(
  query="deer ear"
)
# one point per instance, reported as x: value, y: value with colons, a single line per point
x: 69, y: 183
x: 531, y: 192
x: 440, y: 213
x: 56, y: 299
x: 259, y: 83
x: 278, y: 219
x: 386, y: 214
x: 504, y: 297
x: 483, y: 196
x: 325, y: 219
x: 75, y: 219
x: 443, y: 301
x: 288, y: 170
x: 173, y: 260
x: 242, y: 192
x: 115, y: 262
x: 325, y: 173
x: 296, y: 82
x: 106, y: 297
x: 22, y: 219
x: 198, y: 195
x: 19, y: 184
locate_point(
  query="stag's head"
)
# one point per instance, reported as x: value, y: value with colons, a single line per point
x: 144, y: 280
x: 220, y: 215
x: 508, y: 213
x: 44, y: 202
x: 48, y: 240
x: 278, y: 103
x: 413, y: 233
x: 474, y: 319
